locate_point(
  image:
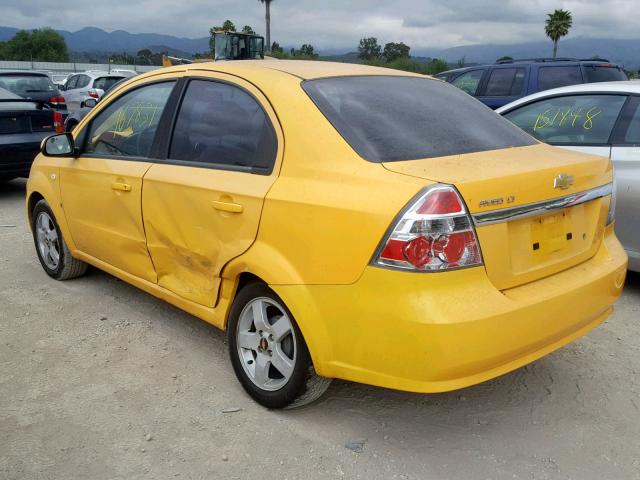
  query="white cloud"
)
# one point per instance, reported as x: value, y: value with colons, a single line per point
x: 336, y: 24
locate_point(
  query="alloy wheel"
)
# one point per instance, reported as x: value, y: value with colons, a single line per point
x: 266, y: 343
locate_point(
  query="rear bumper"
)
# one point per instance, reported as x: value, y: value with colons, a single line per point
x: 444, y: 331
x: 17, y: 153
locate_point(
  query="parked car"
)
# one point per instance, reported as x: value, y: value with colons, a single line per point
x: 23, y: 126
x: 74, y: 118
x: 33, y: 86
x: 598, y: 118
x: 337, y: 220
x: 90, y: 84
x: 501, y: 83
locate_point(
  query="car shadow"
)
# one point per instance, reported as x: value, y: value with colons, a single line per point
x: 13, y: 189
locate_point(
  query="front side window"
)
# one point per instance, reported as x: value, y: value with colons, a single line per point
x: 554, y: 77
x: 570, y: 120
x: 505, y: 82
x: 222, y: 125
x: 392, y: 118
x: 72, y: 82
x: 127, y: 126
x: 468, y: 82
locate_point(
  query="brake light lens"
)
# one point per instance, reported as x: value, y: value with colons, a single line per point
x: 435, y: 233
x: 58, y: 122
x: 57, y: 101
x: 94, y: 94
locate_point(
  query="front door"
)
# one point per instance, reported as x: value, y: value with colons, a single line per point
x: 102, y: 188
x: 202, y: 204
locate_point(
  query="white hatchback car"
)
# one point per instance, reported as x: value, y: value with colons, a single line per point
x: 89, y: 84
x: 598, y: 118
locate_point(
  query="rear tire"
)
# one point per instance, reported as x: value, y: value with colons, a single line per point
x: 52, y: 250
x: 268, y: 353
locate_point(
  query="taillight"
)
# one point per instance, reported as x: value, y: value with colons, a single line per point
x: 434, y: 233
x: 58, y: 122
x: 57, y: 101
x: 94, y: 94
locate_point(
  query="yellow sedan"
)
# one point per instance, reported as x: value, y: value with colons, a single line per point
x: 338, y: 221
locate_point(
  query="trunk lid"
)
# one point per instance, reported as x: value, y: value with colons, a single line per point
x: 539, y: 243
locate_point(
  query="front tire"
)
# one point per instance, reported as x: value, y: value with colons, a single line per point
x: 53, y: 253
x: 268, y: 353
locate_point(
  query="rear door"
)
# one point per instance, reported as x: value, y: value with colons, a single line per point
x: 554, y: 76
x: 583, y: 122
x: 625, y: 154
x: 504, y: 84
x: 202, y: 203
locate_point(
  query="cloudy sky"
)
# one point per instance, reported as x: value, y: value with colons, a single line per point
x: 338, y: 24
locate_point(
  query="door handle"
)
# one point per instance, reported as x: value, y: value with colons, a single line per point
x: 122, y: 187
x: 228, y: 207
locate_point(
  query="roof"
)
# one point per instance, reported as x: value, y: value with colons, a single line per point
x: 628, y: 86
x: 304, y: 69
x: 23, y: 72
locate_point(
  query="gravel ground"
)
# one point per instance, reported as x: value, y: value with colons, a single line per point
x: 101, y: 381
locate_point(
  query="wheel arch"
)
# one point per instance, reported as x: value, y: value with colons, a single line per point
x: 264, y: 264
x: 41, y: 186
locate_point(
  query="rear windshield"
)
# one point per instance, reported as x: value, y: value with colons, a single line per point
x: 105, y: 83
x: 25, y: 84
x: 388, y: 118
x: 604, y: 73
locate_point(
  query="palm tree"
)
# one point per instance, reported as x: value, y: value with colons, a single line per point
x: 557, y: 26
x: 267, y: 17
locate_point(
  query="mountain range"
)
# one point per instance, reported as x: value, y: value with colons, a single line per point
x: 625, y: 52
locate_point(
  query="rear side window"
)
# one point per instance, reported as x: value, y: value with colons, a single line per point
x: 632, y: 136
x: 127, y: 126
x: 223, y: 125
x: 603, y: 73
x: 388, y: 118
x: 468, y: 82
x: 553, y: 77
x: 83, y: 81
x: 505, y: 82
x: 570, y: 120
x: 105, y: 83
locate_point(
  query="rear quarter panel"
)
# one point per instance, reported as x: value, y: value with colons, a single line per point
x: 329, y: 209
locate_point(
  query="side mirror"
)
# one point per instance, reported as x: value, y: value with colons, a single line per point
x: 89, y: 103
x: 58, y: 145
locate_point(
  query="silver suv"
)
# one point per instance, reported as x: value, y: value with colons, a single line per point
x: 89, y: 84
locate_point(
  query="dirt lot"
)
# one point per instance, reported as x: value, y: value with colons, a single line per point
x: 101, y: 381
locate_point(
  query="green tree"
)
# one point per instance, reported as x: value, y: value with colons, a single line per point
x: 44, y: 45
x: 144, y: 56
x: 505, y: 59
x: 369, y: 49
x: 276, y: 48
x: 557, y: 26
x: 393, y: 51
x: 307, y: 51
x: 267, y: 19
x: 248, y: 29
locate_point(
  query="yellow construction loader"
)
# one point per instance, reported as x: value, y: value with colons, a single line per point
x: 228, y: 46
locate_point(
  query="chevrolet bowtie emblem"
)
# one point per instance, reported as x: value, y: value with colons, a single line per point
x: 563, y: 181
